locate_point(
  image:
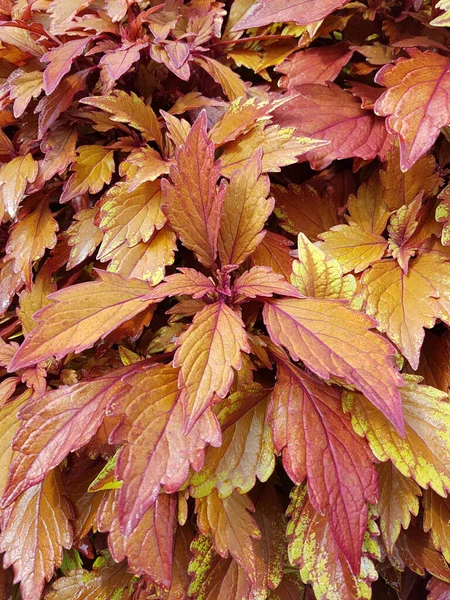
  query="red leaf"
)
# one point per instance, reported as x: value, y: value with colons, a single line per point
x: 318, y: 441
x: 329, y: 113
x: 60, y: 61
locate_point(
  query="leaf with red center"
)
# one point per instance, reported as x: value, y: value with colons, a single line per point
x: 333, y: 340
x: 118, y: 61
x: 416, y: 101
x: 155, y: 452
x: 59, y: 422
x: 35, y: 529
x: 194, y: 201
x: 208, y: 354
x: 79, y: 315
x: 318, y: 442
x: 149, y: 547
x: 331, y: 114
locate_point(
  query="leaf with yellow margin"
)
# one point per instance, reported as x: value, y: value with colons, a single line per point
x: 424, y: 453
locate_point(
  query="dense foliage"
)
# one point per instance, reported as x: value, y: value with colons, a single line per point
x: 225, y: 299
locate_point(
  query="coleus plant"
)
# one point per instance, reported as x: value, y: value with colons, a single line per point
x: 225, y: 296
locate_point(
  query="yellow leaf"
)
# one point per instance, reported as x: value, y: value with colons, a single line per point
x: 92, y: 168
x: 24, y: 87
x: 317, y: 276
x: 403, y: 304
x: 367, y: 208
x: 240, y: 116
x: 129, y: 109
x: 246, y: 453
x: 33, y: 300
x: 280, y: 147
x: 424, y: 453
x: 230, y: 82
x: 354, y: 248
x: 130, y: 217
x: 14, y: 176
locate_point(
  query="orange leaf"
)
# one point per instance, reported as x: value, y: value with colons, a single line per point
x: 92, y: 168
x: 14, y: 176
x: 245, y: 210
x: 229, y: 81
x: 262, y: 281
x: 194, y: 201
x: 207, y: 354
x: 34, y: 232
x: 399, y: 499
x: 274, y: 252
x: 83, y: 237
x: 232, y: 527
x: 436, y: 518
x: 332, y: 339
x: 35, y: 529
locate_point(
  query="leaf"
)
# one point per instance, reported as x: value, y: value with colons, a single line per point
x: 318, y: 441
x: 303, y: 12
x: 118, y: 61
x: 24, y: 87
x: 232, y: 528
x: 129, y: 217
x: 20, y: 38
x: 80, y: 315
x: 332, y: 339
x: 147, y: 261
x: 14, y: 176
x: 104, y: 582
x: 297, y: 207
x: 402, y: 188
x: 230, y: 82
x: 59, y: 148
x: 274, y: 252
x: 34, y: 232
x: 51, y: 107
x: 149, y: 548
x: 207, y: 354
x: 399, y: 499
x: 434, y: 361
x: 62, y: 13
x: 155, y: 452
x: 60, y: 61
x: 317, y: 276
x: 313, y: 549
x: 280, y: 147
x: 262, y: 281
x: 246, y: 453
x: 421, y: 83
x: 436, y: 519
x: 41, y: 517
x: 442, y: 20
x: 129, y: 109
x: 245, y: 209
x: 83, y: 237
x: 55, y: 424
x: 415, y: 549
x: 187, y: 281
x: 423, y: 453
x: 438, y: 589
x: 147, y: 165
x: 93, y: 168
x: 33, y: 300
x: 240, y: 116
x: 330, y: 114
x: 314, y: 65
x: 404, y: 304
x: 9, y: 424
x: 194, y: 201
x: 354, y: 248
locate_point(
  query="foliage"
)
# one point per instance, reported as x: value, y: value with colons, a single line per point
x: 225, y: 299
